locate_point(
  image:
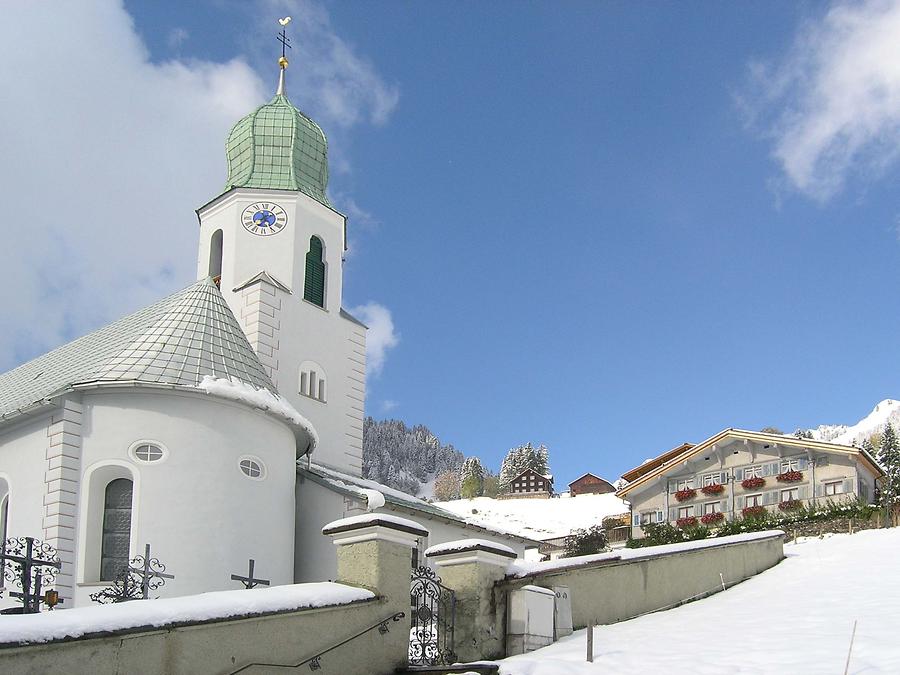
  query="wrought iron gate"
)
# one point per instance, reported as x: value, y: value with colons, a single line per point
x: 432, y: 618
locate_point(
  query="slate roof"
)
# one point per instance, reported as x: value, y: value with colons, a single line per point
x: 176, y: 341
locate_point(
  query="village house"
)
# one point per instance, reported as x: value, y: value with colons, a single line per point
x: 531, y: 482
x: 737, y: 473
x: 589, y: 484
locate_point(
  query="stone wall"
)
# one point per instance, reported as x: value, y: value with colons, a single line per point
x: 835, y: 526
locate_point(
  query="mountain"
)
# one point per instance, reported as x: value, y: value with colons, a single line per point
x: 886, y: 411
x: 405, y: 457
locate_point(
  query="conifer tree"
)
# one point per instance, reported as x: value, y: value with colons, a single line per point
x: 521, y: 459
x: 889, y: 458
x: 471, y: 478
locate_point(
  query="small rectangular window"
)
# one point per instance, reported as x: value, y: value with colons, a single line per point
x: 753, y: 472
x: 833, y: 488
x: 711, y: 507
x: 790, y: 494
x: 304, y: 384
x: 792, y: 464
x: 685, y: 511
x: 684, y: 484
x: 753, y: 500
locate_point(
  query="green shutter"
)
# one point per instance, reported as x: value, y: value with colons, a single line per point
x: 314, y: 287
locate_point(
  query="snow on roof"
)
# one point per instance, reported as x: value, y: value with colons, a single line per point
x: 521, y: 568
x: 81, y: 621
x: 374, y: 498
x: 467, y: 545
x: 356, y: 486
x: 540, y: 518
x: 235, y: 390
x: 373, y: 519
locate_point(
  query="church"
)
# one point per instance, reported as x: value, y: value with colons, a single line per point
x: 224, y: 422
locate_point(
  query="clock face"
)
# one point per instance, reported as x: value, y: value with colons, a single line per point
x: 264, y: 218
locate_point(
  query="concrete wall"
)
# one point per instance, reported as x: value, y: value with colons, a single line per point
x: 612, y: 591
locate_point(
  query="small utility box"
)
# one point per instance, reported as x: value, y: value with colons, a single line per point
x: 562, y: 613
x: 529, y: 623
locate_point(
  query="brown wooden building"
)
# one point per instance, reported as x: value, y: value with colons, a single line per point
x: 589, y: 484
x: 530, y: 482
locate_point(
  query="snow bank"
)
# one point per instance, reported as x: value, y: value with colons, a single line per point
x: 466, y: 544
x: 373, y: 519
x: 794, y: 618
x: 235, y: 390
x: 374, y: 498
x: 73, y: 623
x: 538, y: 518
x: 521, y: 568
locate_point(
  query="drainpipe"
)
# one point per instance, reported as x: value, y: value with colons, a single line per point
x: 731, y: 490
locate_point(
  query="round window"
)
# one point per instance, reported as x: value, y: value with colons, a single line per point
x: 147, y: 452
x: 252, y: 467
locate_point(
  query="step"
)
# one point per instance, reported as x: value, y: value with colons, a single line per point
x: 479, y: 667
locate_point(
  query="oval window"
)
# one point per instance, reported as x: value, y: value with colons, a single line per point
x: 147, y: 452
x: 252, y: 467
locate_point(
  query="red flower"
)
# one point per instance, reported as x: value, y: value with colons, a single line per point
x: 688, y: 493
x: 753, y: 511
x: 790, y: 505
x: 709, y: 518
x: 716, y: 489
x: 789, y: 477
x: 690, y: 521
x: 752, y: 483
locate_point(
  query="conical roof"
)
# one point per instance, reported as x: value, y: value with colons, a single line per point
x: 177, y: 341
x: 278, y: 147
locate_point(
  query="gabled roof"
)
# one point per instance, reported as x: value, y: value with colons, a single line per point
x: 592, y: 475
x: 742, y: 434
x: 356, y: 487
x: 652, y: 464
x: 177, y: 341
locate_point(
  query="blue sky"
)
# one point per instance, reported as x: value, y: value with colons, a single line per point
x: 605, y: 227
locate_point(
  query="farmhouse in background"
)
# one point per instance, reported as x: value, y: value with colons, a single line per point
x: 530, y: 483
x: 589, y: 484
x: 745, y: 472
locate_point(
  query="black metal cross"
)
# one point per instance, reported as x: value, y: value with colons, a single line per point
x: 27, y: 553
x: 249, y: 581
x: 284, y: 40
x: 151, y: 572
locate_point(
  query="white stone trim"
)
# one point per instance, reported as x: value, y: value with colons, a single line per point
x: 375, y: 533
x: 468, y: 557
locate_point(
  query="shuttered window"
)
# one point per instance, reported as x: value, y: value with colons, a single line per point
x: 314, y: 288
x: 116, y: 528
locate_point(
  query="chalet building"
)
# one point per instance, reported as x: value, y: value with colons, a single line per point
x: 531, y: 482
x: 735, y: 473
x: 589, y: 484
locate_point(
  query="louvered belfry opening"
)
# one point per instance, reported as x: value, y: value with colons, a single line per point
x: 314, y: 288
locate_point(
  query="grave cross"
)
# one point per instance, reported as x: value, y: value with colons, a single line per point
x: 31, y: 555
x: 151, y: 572
x: 249, y: 581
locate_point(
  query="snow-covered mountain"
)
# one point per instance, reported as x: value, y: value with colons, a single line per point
x: 886, y: 411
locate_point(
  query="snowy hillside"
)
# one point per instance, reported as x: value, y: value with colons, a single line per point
x: 886, y: 411
x: 539, y: 518
x: 795, y: 618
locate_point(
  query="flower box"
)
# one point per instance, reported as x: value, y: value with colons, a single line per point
x: 790, y: 505
x: 710, y: 518
x: 753, y: 511
x: 690, y: 521
x: 683, y: 495
x: 716, y: 489
x: 789, y: 477
x: 752, y: 483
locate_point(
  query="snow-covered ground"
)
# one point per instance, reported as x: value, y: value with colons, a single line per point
x: 795, y: 618
x: 538, y: 518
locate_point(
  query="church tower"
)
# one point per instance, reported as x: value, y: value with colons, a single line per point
x: 274, y: 244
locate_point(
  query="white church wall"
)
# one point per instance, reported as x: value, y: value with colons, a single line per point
x: 202, y: 516
x: 23, y: 464
x: 296, y: 331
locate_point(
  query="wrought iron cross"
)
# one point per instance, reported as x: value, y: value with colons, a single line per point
x: 283, y: 38
x: 249, y: 581
x: 151, y: 572
x: 31, y: 555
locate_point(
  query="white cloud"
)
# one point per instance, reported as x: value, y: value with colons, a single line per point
x: 388, y: 404
x: 104, y: 155
x: 381, y: 335
x: 832, y: 105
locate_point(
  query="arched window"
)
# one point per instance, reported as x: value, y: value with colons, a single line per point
x: 215, y: 256
x: 314, y: 288
x: 116, y: 528
x: 312, y: 381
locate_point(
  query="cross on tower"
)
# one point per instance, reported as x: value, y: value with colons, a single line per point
x: 283, y: 38
x: 249, y: 581
x: 31, y: 555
